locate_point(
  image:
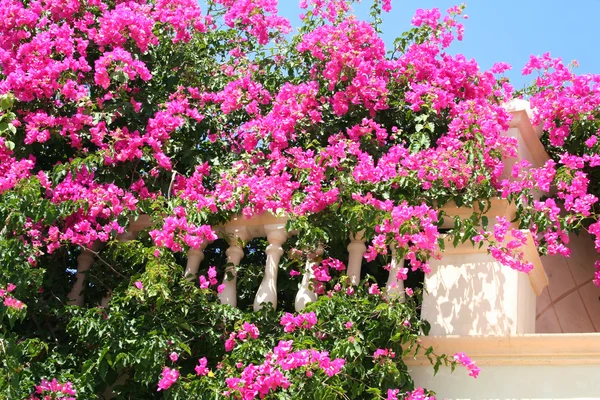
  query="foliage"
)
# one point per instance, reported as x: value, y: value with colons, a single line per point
x: 114, y: 111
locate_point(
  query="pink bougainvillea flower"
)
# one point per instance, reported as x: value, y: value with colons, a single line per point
x: 468, y: 363
x: 201, y: 369
x: 168, y: 378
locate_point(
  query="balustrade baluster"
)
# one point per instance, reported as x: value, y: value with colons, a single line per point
x: 234, y: 253
x: 305, y: 295
x: 267, y: 291
x: 394, y: 286
x: 84, y: 262
x: 195, y: 257
x: 356, y: 250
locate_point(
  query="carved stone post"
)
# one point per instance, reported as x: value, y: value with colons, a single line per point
x: 235, y: 253
x: 394, y: 287
x: 305, y: 295
x: 195, y: 257
x: 84, y: 262
x: 356, y: 250
x: 267, y: 291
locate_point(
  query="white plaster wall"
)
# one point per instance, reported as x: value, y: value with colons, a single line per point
x: 504, y: 382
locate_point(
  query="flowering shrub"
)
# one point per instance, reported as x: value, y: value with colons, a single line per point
x: 57, y: 389
x: 112, y: 112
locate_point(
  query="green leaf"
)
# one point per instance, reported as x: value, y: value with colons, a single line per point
x: 456, y: 240
x: 185, y: 348
x: 426, y: 327
x: 7, y: 102
x: 484, y: 222
x: 442, y: 243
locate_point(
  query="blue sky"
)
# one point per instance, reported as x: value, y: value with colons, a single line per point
x: 507, y: 30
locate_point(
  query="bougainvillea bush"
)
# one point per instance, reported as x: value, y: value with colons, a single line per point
x: 112, y: 110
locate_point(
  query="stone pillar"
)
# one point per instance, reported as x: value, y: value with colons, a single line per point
x: 84, y: 262
x: 305, y: 295
x: 394, y: 286
x: 267, y: 291
x: 195, y: 257
x: 356, y: 250
x: 234, y: 253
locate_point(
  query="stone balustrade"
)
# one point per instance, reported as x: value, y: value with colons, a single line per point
x: 468, y: 292
x: 239, y: 231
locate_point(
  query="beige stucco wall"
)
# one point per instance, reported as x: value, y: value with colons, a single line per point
x: 470, y: 293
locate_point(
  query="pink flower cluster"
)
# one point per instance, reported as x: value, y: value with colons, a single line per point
x: 328, y: 9
x: 168, y: 378
x: 352, y: 56
x: 53, y: 389
x: 119, y: 61
x: 177, y: 232
x: 565, y: 98
x: 417, y: 394
x: 95, y: 218
x: 257, y: 17
x: 27, y: 61
x: 248, y: 330
x: 212, y: 278
x: 44, y: 56
x: 507, y: 252
x: 301, y: 321
x: 381, y: 353
x: 468, y: 363
x: 10, y: 301
x: 564, y: 103
x: 201, y: 369
x: 258, y: 381
x: 12, y: 170
x: 410, y: 228
x: 321, y: 270
x: 374, y: 289
x: 182, y: 16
